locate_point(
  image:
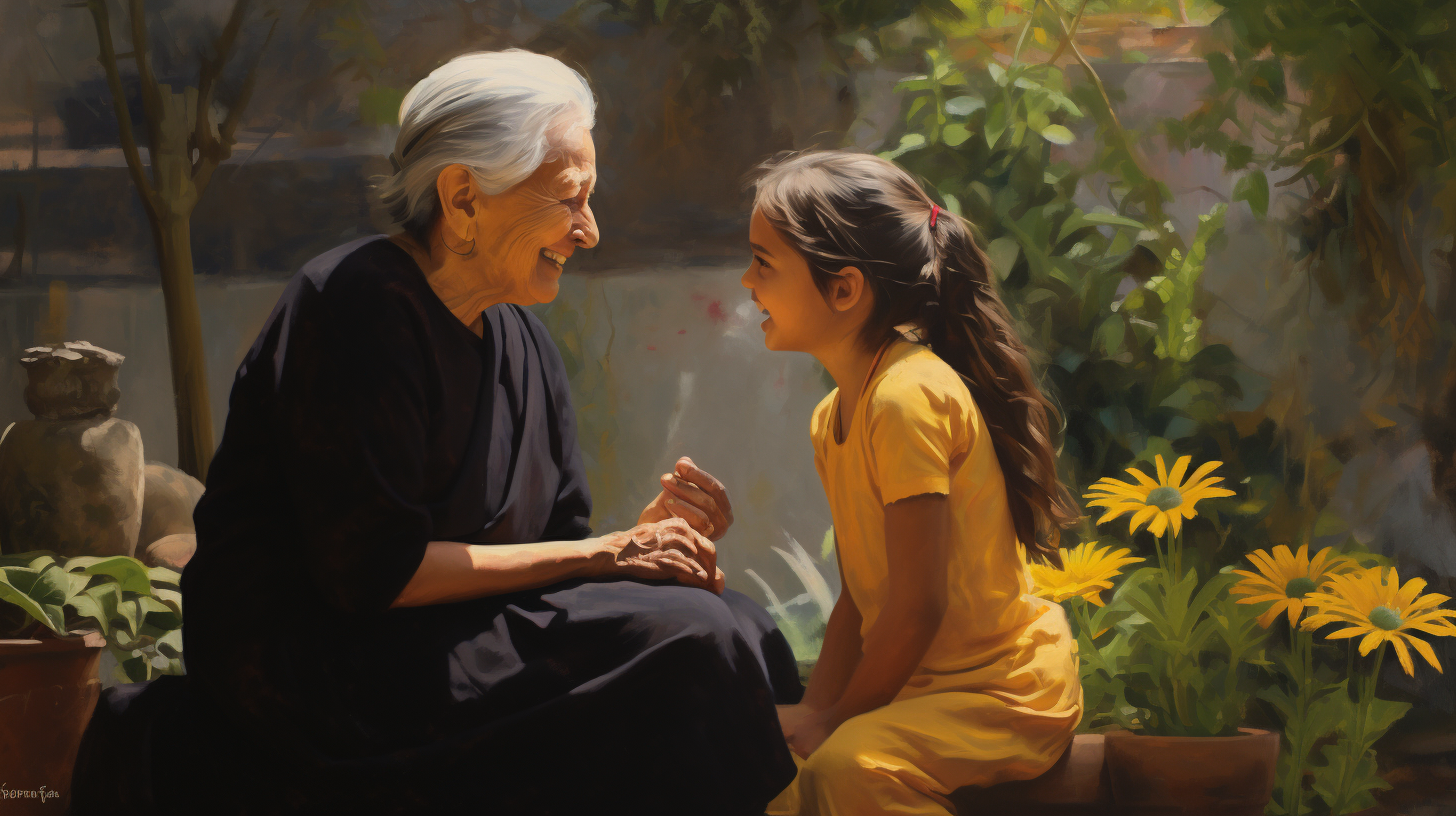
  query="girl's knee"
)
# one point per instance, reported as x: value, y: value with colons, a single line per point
x: 842, y: 763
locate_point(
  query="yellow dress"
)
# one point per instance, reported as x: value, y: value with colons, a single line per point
x: 997, y: 695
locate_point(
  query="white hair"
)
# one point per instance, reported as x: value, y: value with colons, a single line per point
x: 499, y: 113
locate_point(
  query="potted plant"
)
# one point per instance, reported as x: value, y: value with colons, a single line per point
x: 1169, y: 663
x: 55, y: 620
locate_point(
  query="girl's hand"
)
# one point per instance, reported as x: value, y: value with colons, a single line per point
x: 791, y: 715
x: 665, y: 550
x: 806, y: 731
x: 693, y: 495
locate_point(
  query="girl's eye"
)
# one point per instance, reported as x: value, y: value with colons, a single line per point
x: 761, y: 262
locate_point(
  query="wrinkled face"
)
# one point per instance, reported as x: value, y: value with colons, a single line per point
x: 797, y: 318
x: 528, y: 232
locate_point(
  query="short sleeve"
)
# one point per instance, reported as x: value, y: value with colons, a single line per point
x: 912, y: 439
x: 353, y: 424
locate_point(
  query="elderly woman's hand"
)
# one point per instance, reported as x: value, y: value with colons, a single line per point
x: 666, y: 550
x: 692, y: 494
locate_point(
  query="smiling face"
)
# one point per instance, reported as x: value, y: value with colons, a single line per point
x: 527, y: 233
x: 798, y: 318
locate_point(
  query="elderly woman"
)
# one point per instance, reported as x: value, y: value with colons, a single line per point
x: 396, y: 602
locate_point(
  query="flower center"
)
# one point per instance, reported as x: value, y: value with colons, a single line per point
x: 1165, y: 497
x: 1385, y: 617
x: 1299, y: 587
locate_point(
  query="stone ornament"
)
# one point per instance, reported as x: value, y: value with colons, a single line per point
x: 74, y: 380
x: 72, y: 480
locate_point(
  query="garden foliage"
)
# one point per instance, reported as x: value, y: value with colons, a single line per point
x: 137, y: 609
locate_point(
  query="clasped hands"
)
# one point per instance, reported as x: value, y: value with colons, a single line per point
x: 674, y: 536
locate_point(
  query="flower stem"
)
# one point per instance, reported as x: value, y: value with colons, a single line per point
x: 1356, y: 749
x: 1303, y: 646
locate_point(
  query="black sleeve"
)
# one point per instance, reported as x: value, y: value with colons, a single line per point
x: 571, y: 516
x: 353, y: 419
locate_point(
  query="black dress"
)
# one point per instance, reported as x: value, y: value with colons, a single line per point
x: 366, y: 421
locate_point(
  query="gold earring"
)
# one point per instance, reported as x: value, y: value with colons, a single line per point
x: 470, y: 251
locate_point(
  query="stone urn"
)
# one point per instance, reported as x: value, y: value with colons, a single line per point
x: 72, y: 480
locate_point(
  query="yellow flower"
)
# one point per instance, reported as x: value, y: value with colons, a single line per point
x: 1086, y: 571
x: 1161, y: 504
x: 1375, y: 605
x: 1287, y: 579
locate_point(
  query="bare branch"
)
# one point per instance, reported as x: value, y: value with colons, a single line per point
x: 226, y: 133
x: 209, y: 72
x: 107, y: 58
x: 151, y: 97
x: 1071, y: 35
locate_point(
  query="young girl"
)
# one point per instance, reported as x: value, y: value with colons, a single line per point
x: 939, y: 669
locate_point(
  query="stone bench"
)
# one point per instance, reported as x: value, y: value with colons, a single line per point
x: 1076, y: 785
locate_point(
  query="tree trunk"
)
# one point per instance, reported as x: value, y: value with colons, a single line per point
x: 184, y: 340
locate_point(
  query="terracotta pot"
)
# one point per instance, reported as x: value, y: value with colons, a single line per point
x: 48, y: 689
x: 1227, y: 776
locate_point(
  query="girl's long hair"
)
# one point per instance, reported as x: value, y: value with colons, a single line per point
x: 843, y: 209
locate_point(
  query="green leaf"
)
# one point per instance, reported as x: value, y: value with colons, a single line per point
x: 170, y: 644
x: 1061, y: 101
x: 131, y: 614
x: 964, y: 105
x: 997, y: 120
x: 1056, y: 134
x: 159, y: 614
x: 1221, y: 68
x: 955, y: 134
x: 40, y: 593
x: 1253, y: 187
x: 908, y: 142
x: 1003, y: 253
x: 101, y: 604
x: 1267, y: 83
x: 998, y: 74
x: 129, y: 572
x: 171, y: 597
x: 135, y: 669
x: 1082, y: 220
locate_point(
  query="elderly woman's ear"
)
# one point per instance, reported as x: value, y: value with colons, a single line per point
x: 458, y: 196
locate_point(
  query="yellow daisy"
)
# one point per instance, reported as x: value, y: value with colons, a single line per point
x: 1160, y: 504
x: 1375, y: 605
x: 1287, y: 579
x: 1086, y: 571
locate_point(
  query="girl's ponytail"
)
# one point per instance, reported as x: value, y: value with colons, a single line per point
x: 968, y: 326
x: 848, y: 209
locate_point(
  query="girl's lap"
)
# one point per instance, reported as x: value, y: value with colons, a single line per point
x: 940, y: 742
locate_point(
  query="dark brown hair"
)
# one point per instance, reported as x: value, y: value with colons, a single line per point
x: 841, y: 209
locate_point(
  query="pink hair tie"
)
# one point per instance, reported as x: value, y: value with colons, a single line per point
x: 934, y: 211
